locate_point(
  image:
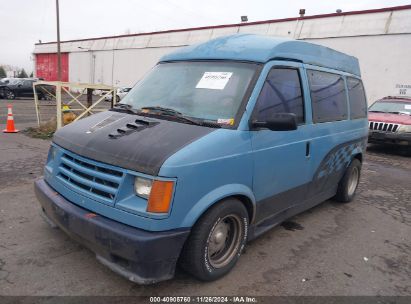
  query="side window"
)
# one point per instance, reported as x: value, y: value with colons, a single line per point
x: 328, y: 96
x: 281, y: 93
x: 356, y: 94
x: 27, y: 83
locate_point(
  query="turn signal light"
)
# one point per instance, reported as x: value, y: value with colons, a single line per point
x: 160, y: 196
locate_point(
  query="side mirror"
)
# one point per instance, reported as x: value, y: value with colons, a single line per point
x: 278, y: 122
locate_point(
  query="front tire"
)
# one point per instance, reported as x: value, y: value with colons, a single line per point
x: 216, y: 241
x: 349, y: 182
x: 10, y: 94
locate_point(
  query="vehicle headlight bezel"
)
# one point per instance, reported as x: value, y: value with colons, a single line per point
x: 158, y: 193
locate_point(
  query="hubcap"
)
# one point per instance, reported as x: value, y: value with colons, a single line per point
x: 353, y: 181
x: 224, y: 241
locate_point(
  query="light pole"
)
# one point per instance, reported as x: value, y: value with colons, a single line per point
x: 58, y: 42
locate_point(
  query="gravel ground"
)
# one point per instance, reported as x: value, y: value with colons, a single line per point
x: 362, y: 248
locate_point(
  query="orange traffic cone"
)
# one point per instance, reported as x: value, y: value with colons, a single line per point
x: 10, y: 122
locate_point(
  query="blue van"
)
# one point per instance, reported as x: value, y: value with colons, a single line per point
x: 220, y: 142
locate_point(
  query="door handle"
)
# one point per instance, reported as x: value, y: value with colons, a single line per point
x: 307, y: 149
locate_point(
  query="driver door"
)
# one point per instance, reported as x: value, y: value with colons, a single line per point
x: 26, y: 89
x: 281, y: 158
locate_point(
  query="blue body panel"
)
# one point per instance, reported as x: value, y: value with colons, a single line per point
x: 269, y: 169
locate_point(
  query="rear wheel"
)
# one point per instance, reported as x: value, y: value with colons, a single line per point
x: 349, y: 182
x: 216, y: 241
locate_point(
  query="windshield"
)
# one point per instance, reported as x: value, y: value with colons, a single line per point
x: 391, y: 107
x: 204, y: 90
x: 14, y: 81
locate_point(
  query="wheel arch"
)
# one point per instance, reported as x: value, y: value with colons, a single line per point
x: 240, y: 192
x: 358, y: 156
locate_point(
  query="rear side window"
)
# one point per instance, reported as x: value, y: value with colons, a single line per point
x: 328, y: 96
x: 281, y: 93
x: 356, y: 95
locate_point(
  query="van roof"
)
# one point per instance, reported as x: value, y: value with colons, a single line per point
x: 258, y: 48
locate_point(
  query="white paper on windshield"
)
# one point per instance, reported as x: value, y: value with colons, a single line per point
x: 214, y: 80
x: 407, y: 107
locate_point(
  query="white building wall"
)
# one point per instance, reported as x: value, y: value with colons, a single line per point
x: 79, y: 67
x: 131, y: 65
x: 380, y: 40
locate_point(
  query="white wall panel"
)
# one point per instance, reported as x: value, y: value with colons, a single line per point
x: 79, y: 67
x: 102, y: 67
x: 169, y: 39
x: 224, y: 31
x: 199, y: 36
x: 282, y: 29
x: 131, y: 65
x: 400, y: 22
x: 98, y: 44
x: 141, y: 41
x: 110, y: 43
x: 125, y: 42
x: 259, y: 29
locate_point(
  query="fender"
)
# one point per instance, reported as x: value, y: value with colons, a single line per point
x: 213, y: 197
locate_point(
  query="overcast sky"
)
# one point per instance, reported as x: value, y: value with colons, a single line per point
x: 24, y: 22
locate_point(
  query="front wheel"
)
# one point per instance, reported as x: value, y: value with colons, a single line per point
x: 10, y: 94
x: 216, y: 241
x: 349, y: 182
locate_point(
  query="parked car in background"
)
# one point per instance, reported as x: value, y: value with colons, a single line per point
x: 390, y: 121
x: 121, y: 92
x: 12, y: 88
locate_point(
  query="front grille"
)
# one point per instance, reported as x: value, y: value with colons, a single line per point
x: 95, y: 180
x: 383, y: 126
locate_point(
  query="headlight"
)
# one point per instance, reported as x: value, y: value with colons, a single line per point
x: 158, y: 193
x: 142, y: 186
x: 404, y: 128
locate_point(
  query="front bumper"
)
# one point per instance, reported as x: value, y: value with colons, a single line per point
x: 389, y: 138
x: 141, y: 256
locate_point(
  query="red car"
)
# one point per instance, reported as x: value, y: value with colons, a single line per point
x: 390, y: 121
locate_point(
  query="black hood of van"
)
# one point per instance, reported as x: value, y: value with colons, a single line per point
x: 129, y: 141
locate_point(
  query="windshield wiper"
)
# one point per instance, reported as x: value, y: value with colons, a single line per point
x: 162, y: 109
x: 377, y: 111
x: 122, y: 105
x: 125, y: 107
x: 158, y: 110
